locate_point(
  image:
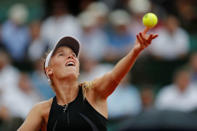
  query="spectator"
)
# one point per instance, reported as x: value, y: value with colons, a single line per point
x: 120, y: 39
x: 21, y: 98
x: 173, y: 42
x: 193, y: 66
x: 4, y: 116
x: 8, y: 79
x: 138, y: 8
x: 87, y: 65
x: 8, y: 75
x: 124, y: 102
x: 181, y: 95
x: 147, y: 98
x: 92, y: 68
x: 8, y: 123
x: 100, y: 11
x: 94, y: 39
x: 15, y: 33
x: 186, y: 11
x: 39, y: 81
x: 37, y: 46
x: 60, y: 24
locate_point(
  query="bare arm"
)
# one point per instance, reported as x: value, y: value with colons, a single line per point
x: 106, y: 84
x: 33, y: 121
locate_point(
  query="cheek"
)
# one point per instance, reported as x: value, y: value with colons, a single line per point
x: 78, y: 67
x: 57, y: 65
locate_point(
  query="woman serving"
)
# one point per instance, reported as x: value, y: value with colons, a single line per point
x: 78, y: 106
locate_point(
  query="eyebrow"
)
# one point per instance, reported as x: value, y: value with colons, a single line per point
x: 57, y: 51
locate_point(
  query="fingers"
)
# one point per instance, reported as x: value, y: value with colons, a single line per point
x: 145, y: 30
x: 149, y: 38
x: 139, y: 39
x: 145, y: 41
x: 155, y: 36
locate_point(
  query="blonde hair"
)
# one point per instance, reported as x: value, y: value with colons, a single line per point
x: 86, y: 86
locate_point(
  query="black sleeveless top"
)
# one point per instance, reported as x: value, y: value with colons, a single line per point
x: 77, y: 115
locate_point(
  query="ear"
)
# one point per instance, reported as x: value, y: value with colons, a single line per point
x: 49, y: 71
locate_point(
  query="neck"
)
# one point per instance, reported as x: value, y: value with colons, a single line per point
x: 66, y: 91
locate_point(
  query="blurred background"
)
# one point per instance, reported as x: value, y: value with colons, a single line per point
x: 160, y: 92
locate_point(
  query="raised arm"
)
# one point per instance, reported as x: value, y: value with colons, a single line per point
x: 106, y: 84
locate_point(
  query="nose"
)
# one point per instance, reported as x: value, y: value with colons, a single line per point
x: 70, y: 56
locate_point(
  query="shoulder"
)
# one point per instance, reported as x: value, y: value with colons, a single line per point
x: 167, y: 88
x: 48, y: 21
x: 36, y: 117
x: 192, y: 87
x: 181, y: 31
x: 43, y: 104
x: 43, y: 107
x: 167, y: 91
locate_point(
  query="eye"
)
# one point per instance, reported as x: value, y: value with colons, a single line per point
x: 73, y: 54
x: 60, y: 54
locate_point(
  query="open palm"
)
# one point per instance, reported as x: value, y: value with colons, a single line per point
x: 144, y: 40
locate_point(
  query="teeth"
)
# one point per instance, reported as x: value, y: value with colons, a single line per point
x: 70, y: 63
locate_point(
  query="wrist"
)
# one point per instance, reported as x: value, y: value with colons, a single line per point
x: 137, y: 50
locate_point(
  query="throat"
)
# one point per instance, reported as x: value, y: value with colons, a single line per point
x: 66, y: 95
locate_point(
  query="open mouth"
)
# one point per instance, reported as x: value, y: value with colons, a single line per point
x: 70, y: 63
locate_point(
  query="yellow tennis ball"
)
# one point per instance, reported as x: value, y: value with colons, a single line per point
x: 149, y: 20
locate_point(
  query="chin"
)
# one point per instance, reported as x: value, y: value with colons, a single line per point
x: 71, y: 75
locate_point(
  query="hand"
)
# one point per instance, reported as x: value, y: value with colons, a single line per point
x: 144, y: 40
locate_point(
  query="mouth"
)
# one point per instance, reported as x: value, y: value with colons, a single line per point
x: 70, y: 63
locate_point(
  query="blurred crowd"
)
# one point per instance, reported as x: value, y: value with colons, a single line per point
x: 163, y: 78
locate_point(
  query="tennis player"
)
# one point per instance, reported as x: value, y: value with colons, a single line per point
x: 78, y: 106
